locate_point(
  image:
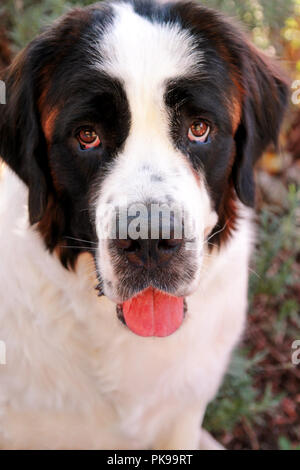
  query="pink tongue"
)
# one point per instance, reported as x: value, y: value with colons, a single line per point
x: 153, y: 313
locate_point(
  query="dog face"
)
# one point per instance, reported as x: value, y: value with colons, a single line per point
x: 132, y: 106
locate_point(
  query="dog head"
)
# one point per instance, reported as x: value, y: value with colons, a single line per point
x: 136, y: 127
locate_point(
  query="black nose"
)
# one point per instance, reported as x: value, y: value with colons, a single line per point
x: 150, y: 252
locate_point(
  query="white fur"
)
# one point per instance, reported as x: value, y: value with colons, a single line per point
x: 75, y: 376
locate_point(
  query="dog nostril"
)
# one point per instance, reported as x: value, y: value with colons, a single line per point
x: 128, y: 245
x: 149, y: 253
x: 169, y: 244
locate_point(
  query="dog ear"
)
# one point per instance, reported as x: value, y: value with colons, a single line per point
x: 22, y: 143
x: 265, y: 95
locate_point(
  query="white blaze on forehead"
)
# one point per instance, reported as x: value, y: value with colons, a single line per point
x: 137, y: 47
x: 143, y: 55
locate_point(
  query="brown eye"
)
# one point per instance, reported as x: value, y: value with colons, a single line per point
x: 88, y: 139
x: 199, y: 131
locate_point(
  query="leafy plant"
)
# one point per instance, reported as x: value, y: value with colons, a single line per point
x: 238, y: 398
x: 277, y: 233
x: 26, y: 18
x: 285, y: 444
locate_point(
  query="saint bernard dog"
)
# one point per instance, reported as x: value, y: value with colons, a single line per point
x: 114, y: 113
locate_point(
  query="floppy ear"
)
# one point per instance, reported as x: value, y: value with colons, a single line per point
x: 265, y: 95
x: 22, y: 143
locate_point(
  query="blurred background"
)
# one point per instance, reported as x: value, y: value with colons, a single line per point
x: 258, y: 406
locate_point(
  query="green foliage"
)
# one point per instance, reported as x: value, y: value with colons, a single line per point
x: 253, y: 13
x: 263, y: 18
x: 285, y: 444
x: 277, y: 233
x: 238, y: 398
x: 26, y: 18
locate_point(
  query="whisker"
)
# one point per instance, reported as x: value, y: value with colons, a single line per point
x: 212, y: 244
x: 219, y: 231
x: 82, y: 240
x: 254, y: 272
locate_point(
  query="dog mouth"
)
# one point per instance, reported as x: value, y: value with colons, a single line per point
x: 152, y: 313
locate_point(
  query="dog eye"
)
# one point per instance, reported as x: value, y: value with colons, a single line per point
x: 88, y: 139
x: 199, y: 131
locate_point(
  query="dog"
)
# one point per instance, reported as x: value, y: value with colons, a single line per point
x: 120, y: 341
